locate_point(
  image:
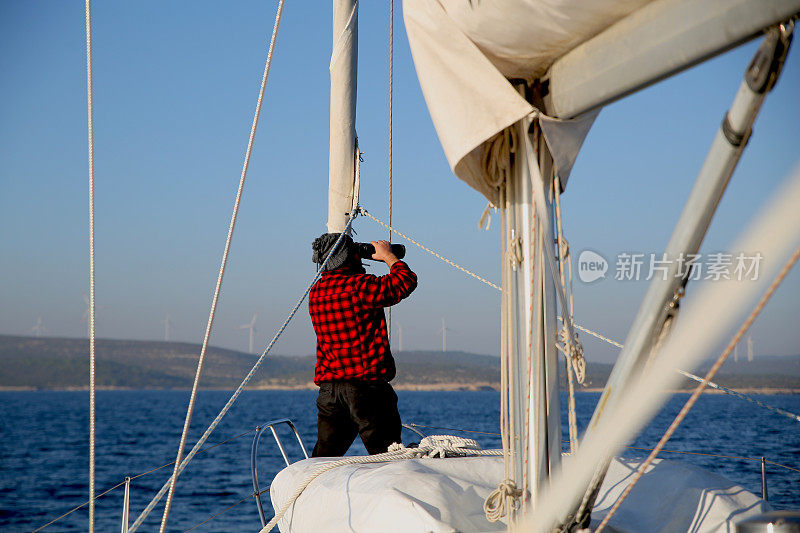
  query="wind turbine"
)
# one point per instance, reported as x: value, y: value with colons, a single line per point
x: 167, y: 323
x: 252, y: 328
x: 39, y: 328
x: 444, y: 331
x: 399, y: 335
x: 749, y: 349
x: 85, y: 317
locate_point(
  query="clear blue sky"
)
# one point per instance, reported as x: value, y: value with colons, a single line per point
x: 175, y: 87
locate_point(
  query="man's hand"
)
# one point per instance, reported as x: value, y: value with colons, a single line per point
x: 383, y: 252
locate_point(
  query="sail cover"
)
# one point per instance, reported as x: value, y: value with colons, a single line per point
x: 448, y: 495
x: 465, y: 51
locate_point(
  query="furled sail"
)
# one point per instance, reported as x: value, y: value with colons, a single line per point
x: 465, y: 53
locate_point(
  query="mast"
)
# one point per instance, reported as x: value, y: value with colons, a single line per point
x: 342, y: 194
x: 529, y: 317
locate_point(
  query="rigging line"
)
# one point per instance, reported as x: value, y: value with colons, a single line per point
x: 198, y: 453
x: 90, y: 118
x: 391, y: 104
x: 758, y: 459
x: 79, y: 507
x: 575, y: 324
x: 742, y: 396
x: 223, y: 264
x: 209, y: 519
x: 150, y: 506
x: 138, y: 476
x: 412, y: 241
x: 454, y: 429
x: 699, y: 389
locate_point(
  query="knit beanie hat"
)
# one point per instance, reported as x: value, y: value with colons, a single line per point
x: 322, y: 246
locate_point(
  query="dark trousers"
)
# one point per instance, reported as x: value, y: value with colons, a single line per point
x: 349, y: 408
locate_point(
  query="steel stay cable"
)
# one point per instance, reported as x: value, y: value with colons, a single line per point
x: 758, y: 459
x: 741, y: 396
x: 217, y: 289
x: 97, y: 497
x: 412, y: 241
x: 576, y: 325
x: 699, y: 389
x: 245, y: 381
x: 137, y: 476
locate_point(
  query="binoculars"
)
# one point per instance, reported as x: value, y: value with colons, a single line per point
x: 365, y: 250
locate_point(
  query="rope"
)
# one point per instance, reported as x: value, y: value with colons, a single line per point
x: 89, y: 106
x: 575, y: 325
x: 412, y: 241
x: 742, y: 396
x: 495, y: 504
x: 432, y: 446
x: 454, y: 429
x: 80, y: 506
x: 223, y: 264
x: 597, y: 335
x: 711, y: 384
x: 699, y: 389
x: 244, y: 382
x: 722, y: 456
x: 391, y: 113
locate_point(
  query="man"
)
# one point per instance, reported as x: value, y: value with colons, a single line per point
x: 354, y: 362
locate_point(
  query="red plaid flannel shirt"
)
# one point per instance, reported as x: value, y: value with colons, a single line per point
x: 347, y: 312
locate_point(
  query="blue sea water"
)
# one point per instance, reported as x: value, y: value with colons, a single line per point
x: 44, y: 449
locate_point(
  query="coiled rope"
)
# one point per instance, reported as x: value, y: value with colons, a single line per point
x: 495, y: 505
x: 432, y: 446
x: 223, y: 264
x: 699, y: 389
x: 91, y: 265
x: 245, y: 381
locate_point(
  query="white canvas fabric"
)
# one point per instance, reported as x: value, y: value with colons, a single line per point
x: 465, y: 52
x: 448, y: 494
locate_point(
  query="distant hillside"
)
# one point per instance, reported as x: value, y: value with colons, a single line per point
x: 60, y: 363
x: 56, y: 363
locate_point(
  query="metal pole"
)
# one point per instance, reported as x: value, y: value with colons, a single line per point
x: 764, y: 495
x: 626, y: 58
x: 343, y: 70
x: 126, y: 502
x: 660, y: 304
